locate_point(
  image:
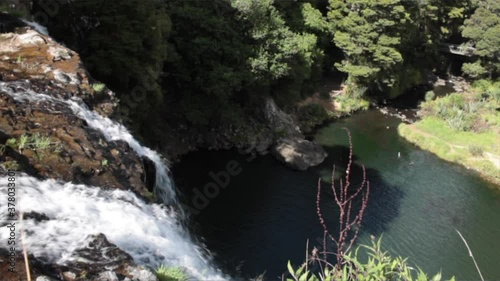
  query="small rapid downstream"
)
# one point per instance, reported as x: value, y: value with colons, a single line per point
x: 266, y: 213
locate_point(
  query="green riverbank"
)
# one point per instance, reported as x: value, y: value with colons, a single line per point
x: 462, y: 128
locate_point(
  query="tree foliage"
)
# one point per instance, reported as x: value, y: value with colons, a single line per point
x: 483, y: 31
x: 369, y: 34
x: 123, y: 43
x: 212, y: 63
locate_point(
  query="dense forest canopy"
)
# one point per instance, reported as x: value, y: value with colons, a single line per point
x: 208, y: 63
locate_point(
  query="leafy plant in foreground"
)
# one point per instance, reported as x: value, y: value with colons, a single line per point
x: 379, y: 266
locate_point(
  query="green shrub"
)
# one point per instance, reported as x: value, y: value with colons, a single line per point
x: 472, y: 107
x: 350, y: 103
x: 488, y: 89
x: 491, y: 119
x: 456, y: 120
x: 355, y: 91
x: 494, y: 91
x: 98, y: 87
x: 312, y: 115
x: 481, y: 85
x: 430, y: 95
x: 165, y: 273
x: 379, y: 266
x: 476, y: 150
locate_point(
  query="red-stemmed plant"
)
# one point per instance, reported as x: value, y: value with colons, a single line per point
x: 349, y: 220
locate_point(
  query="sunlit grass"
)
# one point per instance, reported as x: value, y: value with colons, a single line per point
x: 489, y: 140
x: 433, y: 135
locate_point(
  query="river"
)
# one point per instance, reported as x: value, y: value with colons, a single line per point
x: 266, y: 214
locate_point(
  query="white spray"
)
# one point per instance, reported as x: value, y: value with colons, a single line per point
x: 148, y: 232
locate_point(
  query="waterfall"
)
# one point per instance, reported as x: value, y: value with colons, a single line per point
x: 150, y: 233
x: 112, y: 131
x: 38, y: 27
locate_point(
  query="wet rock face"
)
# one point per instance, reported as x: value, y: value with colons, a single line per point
x: 34, y: 63
x: 280, y: 121
x: 26, y: 54
x: 98, y: 255
x: 45, y: 139
x: 76, y: 152
x: 96, y: 260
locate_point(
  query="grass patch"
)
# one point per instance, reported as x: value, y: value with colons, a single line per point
x: 11, y: 165
x: 35, y: 142
x: 98, y: 87
x: 465, y: 148
x: 165, y: 273
x: 438, y: 128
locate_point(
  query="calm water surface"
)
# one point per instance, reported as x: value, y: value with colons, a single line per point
x: 267, y: 213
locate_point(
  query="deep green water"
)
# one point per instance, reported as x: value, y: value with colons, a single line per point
x: 267, y: 212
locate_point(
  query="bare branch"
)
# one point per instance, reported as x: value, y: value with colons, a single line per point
x: 349, y: 226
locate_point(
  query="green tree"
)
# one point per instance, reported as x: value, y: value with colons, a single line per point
x: 278, y: 50
x: 369, y: 33
x: 483, y: 31
x: 122, y: 43
x: 207, y: 69
x: 128, y: 47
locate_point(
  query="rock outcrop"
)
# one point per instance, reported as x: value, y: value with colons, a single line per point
x: 46, y: 139
x: 290, y: 146
x: 31, y: 62
x: 74, y: 152
x: 96, y: 260
x: 51, y: 68
x: 298, y: 153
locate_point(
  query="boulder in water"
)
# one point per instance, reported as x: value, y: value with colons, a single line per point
x: 292, y: 149
x: 298, y: 153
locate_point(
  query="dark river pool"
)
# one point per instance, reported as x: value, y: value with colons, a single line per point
x: 267, y: 212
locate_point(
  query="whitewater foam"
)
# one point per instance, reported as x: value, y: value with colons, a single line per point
x: 38, y: 27
x: 150, y: 233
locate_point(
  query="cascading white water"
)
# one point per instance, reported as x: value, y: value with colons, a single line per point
x: 149, y: 233
x: 112, y: 131
x: 38, y: 27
